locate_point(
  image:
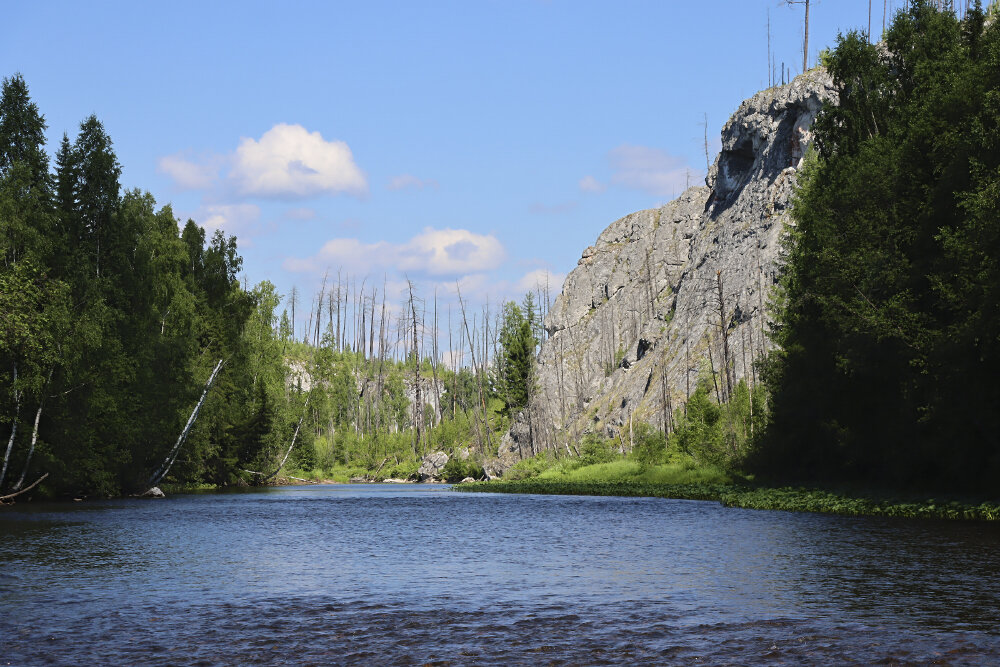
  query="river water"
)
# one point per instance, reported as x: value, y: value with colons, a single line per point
x: 422, y: 574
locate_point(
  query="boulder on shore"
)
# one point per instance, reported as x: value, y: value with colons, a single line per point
x: 154, y: 492
x: 431, y: 466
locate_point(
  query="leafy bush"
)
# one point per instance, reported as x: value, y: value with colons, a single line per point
x: 650, y: 446
x: 596, y: 449
x: 531, y: 467
x: 402, y: 470
x: 456, y: 470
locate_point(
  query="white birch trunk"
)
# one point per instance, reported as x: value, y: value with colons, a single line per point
x: 13, y: 428
x: 34, y: 432
x: 164, y: 468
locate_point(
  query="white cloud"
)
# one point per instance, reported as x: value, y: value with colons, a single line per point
x: 289, y: 161
x: 404, y: 181
x: 452, y: 251
x: 651, y: 170
x: 436, y: 252
x: 591, y: 184
x: 538, y: 279
x: 230, y: 217
x: 186, y: 174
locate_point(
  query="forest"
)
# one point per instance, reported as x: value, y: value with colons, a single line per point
x: 131, y: 355
x: 887, y: 323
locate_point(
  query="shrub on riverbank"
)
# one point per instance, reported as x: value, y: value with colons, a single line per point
x: 748, y: 497
x: 679, y: 470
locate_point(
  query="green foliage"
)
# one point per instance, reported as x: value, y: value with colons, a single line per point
x: 513, y: 376
x: 596, y: 449
x: 112, y: 317
x: 720, y: 435
x: 455, y: 470
x: 889, y: 331
x: 610, y: 367
x: 650, y: 445
x: 730, y: 495
x: 530, y: 467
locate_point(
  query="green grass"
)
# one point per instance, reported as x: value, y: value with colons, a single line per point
x: 682, y: 471
x: 745, y: 496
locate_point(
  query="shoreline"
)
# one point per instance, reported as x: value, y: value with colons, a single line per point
x: 787, y: 499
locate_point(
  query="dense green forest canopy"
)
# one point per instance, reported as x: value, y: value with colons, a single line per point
x: 888, y: 321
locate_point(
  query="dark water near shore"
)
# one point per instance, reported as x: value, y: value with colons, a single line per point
x: 416, y: 575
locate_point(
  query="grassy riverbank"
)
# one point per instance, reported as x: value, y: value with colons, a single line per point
x: 682, y: 480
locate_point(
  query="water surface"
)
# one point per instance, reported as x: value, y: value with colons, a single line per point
x: 421, y: 574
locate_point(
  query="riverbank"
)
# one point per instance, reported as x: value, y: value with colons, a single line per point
x: 753, y: 497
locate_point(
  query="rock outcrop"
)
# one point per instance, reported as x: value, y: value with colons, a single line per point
x: 431, y: 466
x: 640, y: 314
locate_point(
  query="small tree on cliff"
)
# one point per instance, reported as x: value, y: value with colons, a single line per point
x: 514, y: 376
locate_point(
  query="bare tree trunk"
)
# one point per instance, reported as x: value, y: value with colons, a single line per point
x: 687, y: 376
x: 724, y: 328
x: 13, y: 428
x: 295, y: 435
x: 711, y: 365
x: 475, y: 368
x: 665, y: 399
x: 747, y: 377
x: 371, y: 328
x: 708, y: 164
x: 434, y: 363
x: 319, y: 307
x: 805, y: 42
x: 454, y: 369
x: 34, y: 431
x: 295, y: 301
x: 164, y: 468
x: 418, y: 407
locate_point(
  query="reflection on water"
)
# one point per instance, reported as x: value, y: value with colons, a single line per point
x: 360, y: 574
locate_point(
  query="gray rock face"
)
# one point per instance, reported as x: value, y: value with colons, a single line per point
x: 639, y: 316
x: 432, y: 466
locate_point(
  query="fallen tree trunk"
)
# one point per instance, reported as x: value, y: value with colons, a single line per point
x: 164, y: 468
x: 25, y: 490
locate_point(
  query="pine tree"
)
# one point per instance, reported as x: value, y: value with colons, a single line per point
x: 98, y: 191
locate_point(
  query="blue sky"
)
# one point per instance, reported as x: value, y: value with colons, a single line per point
x: 476, y: 141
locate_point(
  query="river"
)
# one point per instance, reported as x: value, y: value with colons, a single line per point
x: 385, y: 574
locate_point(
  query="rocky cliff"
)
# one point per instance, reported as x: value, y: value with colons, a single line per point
x: 645, y: 308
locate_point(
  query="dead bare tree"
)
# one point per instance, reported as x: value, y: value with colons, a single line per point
x: 724, y: 328
x: 805, y: 36
x: 294, y: 298
x: 475, y: 368
x: 418, y: 407
x: 434, y: 363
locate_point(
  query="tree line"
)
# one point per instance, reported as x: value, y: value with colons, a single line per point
x: 131, y: 354
x: 888, y: 320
